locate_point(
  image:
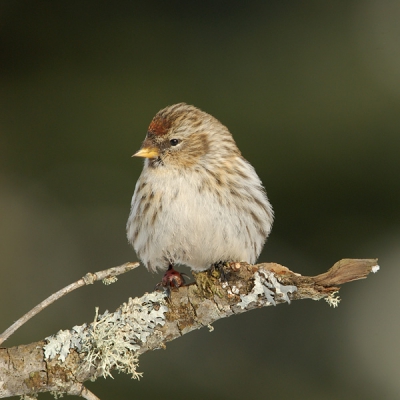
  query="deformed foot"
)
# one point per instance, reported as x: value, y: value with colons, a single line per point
x: 172, y: 279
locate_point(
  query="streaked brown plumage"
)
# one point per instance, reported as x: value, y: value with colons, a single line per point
x: 198, y: 201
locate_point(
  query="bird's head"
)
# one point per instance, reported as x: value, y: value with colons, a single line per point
x: 181, y: 135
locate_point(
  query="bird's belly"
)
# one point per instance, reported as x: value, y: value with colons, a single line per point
x: 199, y: 230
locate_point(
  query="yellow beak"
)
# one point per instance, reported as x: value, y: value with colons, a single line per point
x: 147, y: 152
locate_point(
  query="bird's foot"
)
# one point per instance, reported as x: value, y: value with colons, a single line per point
x: 172, y: 280
x: 217, y: 271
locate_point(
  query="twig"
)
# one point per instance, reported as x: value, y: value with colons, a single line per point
x: 106, y: 275
x: 87, y: 394
x: 82, y: 391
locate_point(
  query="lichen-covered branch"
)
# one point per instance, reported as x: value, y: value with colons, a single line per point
x: 114, y: 341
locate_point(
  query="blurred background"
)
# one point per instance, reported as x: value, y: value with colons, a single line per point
x: 311, y: 93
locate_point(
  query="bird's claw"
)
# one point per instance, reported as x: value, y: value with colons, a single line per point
x: 218, y: 269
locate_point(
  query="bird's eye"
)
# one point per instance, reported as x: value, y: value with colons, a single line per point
x: 174, y: 142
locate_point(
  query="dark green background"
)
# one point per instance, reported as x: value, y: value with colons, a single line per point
x: 311, y: 93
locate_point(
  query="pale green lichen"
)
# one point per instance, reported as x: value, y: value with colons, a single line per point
x: 112, y: 340
x: 109, y: 280
x: 61, y: 343
x: 332, y: 300
x: 107, y: 349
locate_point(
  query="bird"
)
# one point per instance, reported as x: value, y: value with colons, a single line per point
x: 198, y: 202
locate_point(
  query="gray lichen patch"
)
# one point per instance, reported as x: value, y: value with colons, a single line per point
x: 267, y: 290
x: 112, y: 340
x: 282, y: 291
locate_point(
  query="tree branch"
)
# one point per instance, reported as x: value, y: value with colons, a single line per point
x: 114, y: 341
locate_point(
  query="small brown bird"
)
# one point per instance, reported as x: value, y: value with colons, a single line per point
x: 198, y: 202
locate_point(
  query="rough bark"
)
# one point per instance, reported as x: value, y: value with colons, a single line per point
x: 62, y: 362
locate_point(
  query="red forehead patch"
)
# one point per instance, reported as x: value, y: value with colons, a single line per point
x: 159, y: 126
